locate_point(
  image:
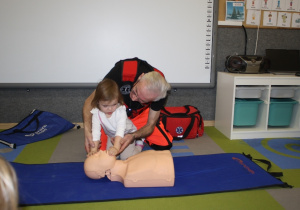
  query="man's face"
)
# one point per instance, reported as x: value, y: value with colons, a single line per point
x: 140, y: 93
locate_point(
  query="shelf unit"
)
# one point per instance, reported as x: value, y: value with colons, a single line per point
x: 225, y: 101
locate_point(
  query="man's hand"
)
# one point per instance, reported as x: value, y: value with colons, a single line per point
x: 92, y: 152
x: 128, y: 139
x: 143, y: 132
x: 88, y: 141
x: 87, y: 120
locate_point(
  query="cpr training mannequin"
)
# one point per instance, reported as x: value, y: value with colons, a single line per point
x: 146, y: 169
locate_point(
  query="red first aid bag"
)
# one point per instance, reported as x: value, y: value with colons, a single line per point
x: 184, y: 122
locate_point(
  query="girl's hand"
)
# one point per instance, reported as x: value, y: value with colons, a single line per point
x: 92, y: 151
x: 112, y: 151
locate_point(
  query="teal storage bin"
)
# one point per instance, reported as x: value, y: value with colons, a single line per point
x: 280, y: 112
x: 245, y: 111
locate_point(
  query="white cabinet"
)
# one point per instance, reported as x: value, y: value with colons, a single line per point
x: 227, y: 84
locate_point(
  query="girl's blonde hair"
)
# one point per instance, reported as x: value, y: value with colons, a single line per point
x: 9, y: 197
x: 107, y: 90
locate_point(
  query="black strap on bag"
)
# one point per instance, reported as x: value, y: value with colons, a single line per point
x: 269, y: 165
x: 187, y: 107
x: 188, y: 129
x: 35, y: 118
x: 186, y: 114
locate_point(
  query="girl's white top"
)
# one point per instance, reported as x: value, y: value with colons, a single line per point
x: 118, y: 124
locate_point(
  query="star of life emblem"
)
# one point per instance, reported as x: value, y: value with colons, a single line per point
x: 179, y: 130
x: 125, y: 89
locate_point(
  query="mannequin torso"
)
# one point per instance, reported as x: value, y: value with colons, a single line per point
x: 146, y: 169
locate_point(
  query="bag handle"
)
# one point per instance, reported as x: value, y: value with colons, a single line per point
x: 178, y: 114
x: 34, y: 118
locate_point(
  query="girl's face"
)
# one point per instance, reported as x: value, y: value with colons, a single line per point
x: 108, y: 107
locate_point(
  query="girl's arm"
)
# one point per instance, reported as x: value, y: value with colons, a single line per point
x: 114, y: 150
x: 121, y: 117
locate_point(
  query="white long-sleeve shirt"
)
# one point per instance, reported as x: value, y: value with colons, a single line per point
x: 117, y: 124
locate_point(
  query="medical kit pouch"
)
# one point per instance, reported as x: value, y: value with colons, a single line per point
x: 184, y: 122
x: 37, y: 126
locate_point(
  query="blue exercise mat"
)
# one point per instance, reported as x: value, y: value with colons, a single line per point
x: 55, y: 183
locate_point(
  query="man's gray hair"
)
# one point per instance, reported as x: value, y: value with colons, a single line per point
x: 157, y: 83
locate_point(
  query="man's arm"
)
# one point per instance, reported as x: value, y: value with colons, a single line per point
x: 87, y: 120
x: 143, y: 132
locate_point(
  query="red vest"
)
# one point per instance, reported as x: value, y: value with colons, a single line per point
x: 130, y: 68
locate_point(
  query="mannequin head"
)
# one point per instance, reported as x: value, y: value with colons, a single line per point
x: 95, y: 166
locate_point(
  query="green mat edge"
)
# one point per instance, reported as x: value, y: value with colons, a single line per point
x: 38, y: 152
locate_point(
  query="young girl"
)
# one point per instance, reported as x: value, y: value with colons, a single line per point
x: 8, y: 186
x: 110, y: 114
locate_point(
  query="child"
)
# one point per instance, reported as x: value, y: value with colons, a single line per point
x: 110, y: 113
x: 8, y: 186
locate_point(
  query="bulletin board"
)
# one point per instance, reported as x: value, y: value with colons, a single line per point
x: 271, y: 14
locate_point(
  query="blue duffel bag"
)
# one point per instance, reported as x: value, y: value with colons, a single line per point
x: 37, y: 126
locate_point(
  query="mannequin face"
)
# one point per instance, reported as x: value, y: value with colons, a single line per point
x: 96, y: 165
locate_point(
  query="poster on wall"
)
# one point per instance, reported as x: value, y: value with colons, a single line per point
x: 270, y: 18
x: 235, y: 11
x: 296, y: 20
x: 279, y: 5
x: 253, y: 17
x: 253, y: 4
x: 266, y: 4
x: 292, y: 5
x: 284, y: 19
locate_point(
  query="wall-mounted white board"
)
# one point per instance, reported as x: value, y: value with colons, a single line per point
x: 76, y: 42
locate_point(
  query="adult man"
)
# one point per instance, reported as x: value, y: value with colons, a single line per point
x: 144, y: 91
